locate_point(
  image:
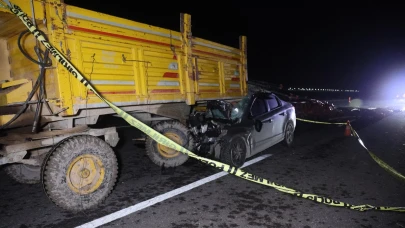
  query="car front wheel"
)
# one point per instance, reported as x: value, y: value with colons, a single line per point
x: 233, y: 152
x: 289, y: 134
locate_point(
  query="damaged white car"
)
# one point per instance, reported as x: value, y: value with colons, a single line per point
x: 234, y: 132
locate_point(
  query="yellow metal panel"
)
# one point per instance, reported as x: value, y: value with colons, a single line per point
x: 160, y: 54
x: 20, y: 66
x: 160, y: 89
x: 15, y: 94
x: 243, y: 61
x: 76, y: 90
x: 4, y: 64
x: 162, y: 72
x: 106, y: 69
x: 78, y: 17
x: 221, y: 77
x: 142, y: 66
x: 5, y: 118
x: 13, y: 83
x: 208, y: 77
x: 181, y: 74
x: 189, y: 72
x: 130, y: 63
x: 233, y: 83
x: 136, y: 77
x: 104, y: 46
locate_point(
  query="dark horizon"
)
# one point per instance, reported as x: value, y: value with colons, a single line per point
x: 361, y: 49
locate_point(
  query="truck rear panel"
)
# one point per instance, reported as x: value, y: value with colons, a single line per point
x: 129, y: 63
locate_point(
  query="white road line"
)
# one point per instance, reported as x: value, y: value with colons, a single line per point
x: 142, y: 205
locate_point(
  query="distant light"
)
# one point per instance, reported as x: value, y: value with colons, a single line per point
x: 403, y: 95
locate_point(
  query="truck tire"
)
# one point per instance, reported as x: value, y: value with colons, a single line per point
x: 289, y: 134
x: 23, y: 173
x: 164, y: 156
x: 80, y: 172
x: 233, y: 152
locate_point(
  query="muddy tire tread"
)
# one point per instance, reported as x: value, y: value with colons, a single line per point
x: 169, y: 162
x: 55, y: 184
x: 15, y: 172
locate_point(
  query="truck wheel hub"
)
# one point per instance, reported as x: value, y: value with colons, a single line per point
x: 85, y: 174
x: 167, y: 151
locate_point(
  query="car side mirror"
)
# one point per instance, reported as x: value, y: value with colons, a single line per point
x: 258, y: 125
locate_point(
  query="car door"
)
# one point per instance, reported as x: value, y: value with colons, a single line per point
x: 278, y: 115
x: 259, y: 110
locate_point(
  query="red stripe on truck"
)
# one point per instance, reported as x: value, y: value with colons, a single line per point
x: 170, y: 75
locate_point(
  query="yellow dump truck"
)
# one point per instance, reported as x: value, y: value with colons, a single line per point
x: 157, y: 75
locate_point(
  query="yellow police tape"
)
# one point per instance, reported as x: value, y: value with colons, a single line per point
x: 169, y: 143
x: 380, y: 162
x: 318, y: 122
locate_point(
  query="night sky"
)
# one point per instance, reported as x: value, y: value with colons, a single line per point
x: 329, y: 48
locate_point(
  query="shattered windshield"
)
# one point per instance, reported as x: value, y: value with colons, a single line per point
x: 239, y: 108
x: 225, y: 110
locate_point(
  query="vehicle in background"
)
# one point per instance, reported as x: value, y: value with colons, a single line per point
x: 313, y: 109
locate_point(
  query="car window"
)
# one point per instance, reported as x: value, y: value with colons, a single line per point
x: 272, y: 102
x: 259, y: 107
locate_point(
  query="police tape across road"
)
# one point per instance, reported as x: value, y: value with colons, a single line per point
x: 169, y: 143
x: 380, y: 162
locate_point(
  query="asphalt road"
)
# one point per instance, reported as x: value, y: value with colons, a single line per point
x: 322, y: 162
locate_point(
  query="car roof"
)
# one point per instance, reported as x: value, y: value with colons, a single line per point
x: 263, y: 94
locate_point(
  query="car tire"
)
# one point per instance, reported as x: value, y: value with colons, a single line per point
x: 164, y: 156
x: 289, y: 134
x: 233, y: 152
